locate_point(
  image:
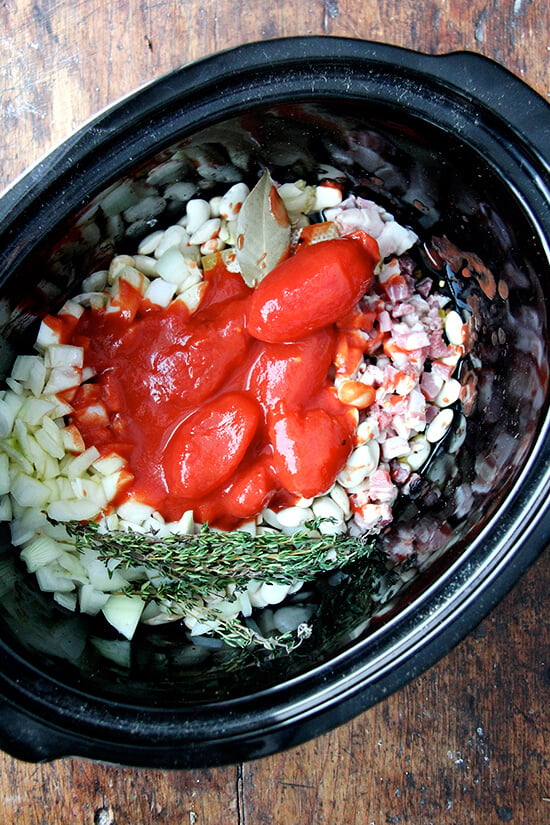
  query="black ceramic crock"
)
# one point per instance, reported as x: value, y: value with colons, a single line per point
x: 453, y: 145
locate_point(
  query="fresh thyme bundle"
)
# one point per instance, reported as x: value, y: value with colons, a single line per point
x: 189, y: 567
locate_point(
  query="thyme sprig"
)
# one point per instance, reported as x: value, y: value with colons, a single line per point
x: 190, y: 568
x: 210, y: 560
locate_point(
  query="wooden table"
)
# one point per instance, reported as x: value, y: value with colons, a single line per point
x: 468, y: 741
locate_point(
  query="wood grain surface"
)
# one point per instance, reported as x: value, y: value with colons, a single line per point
x: 466, y: 742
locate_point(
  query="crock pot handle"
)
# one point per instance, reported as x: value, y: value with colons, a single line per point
x: 518, y: 104
x: 25, y: 738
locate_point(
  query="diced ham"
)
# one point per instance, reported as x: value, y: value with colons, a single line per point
x: 399, y: 472
x: 373, y: 516
x: 394, y: 447
x: 382, y: 488
x: 415, y: 417
x: 384, y: 321
x: 431, y: 382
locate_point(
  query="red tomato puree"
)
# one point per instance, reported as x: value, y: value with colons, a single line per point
x: 231, y: 409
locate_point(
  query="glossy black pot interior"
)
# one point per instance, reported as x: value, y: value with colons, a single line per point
x: 454, y: 146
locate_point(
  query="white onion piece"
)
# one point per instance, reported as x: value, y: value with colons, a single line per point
x: 4, y: 474
x: 64, y: 355
x: 40, y: 551
x: 72, y: 510
x: 9, y: 408
x: 99, y: 575
x: 78, y: 466
x: 51, y: 578
x: 29, y: 492
x: 123, y: 613
x: 6, y: 510
x: 91, y: 599
x: 66, y: 600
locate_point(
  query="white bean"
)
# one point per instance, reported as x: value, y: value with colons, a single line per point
x: 448, y: 393
x: 148, y: 245
x: 339, y: 495
x: 304, y: 502
x: 146, y: 265
x: 458, y: 436
x: 206, y: 231
x: 96, y: 282
x: 326, y: 507
x: 197, y: 213
x: 164, y: 173
x: 367, y: 430
x: 147, y: 208
x: 454, y: 328
x: 361, y: 463
x: 115, y: 227
x: 233, y: 200
x: 211, y: 246
x: 214, y: 204
x: 293, y: 516
x: 291, y: 617
x: 173, y: 236
x: 272, y: 518
x: 420, y: 450
x: 439, y: 426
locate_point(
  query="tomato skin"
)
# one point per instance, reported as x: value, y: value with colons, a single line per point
x: 311, y: 290
x: 206, y: 449
x: 309, y: 450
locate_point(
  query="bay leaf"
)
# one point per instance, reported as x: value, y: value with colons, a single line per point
x: 263, y: 232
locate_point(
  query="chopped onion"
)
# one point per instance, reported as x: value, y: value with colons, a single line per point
x: 66, y: 600
x: 72, y: 510
x: 52, y: 578
x: 78, y: 465
x: 123, y: 613
x: 6, y: 511
x: 9, y: 408
x: 91, y: 600
x: 29, y: 492
x: 100, y: 577
x: 40, y: 551
x: 4, y: 474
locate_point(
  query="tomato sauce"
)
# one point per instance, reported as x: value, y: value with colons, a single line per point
x: 231, y: 409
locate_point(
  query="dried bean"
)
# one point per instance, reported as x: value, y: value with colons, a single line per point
x: 173, y: 236
x: 206, y: 231
x: 448, y: 393
x: 455, y: 329
x: 233, y: 200
x: 197, y: 213
x: 361, y: 463
x: 148, y: 245
x: 439, y: 426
